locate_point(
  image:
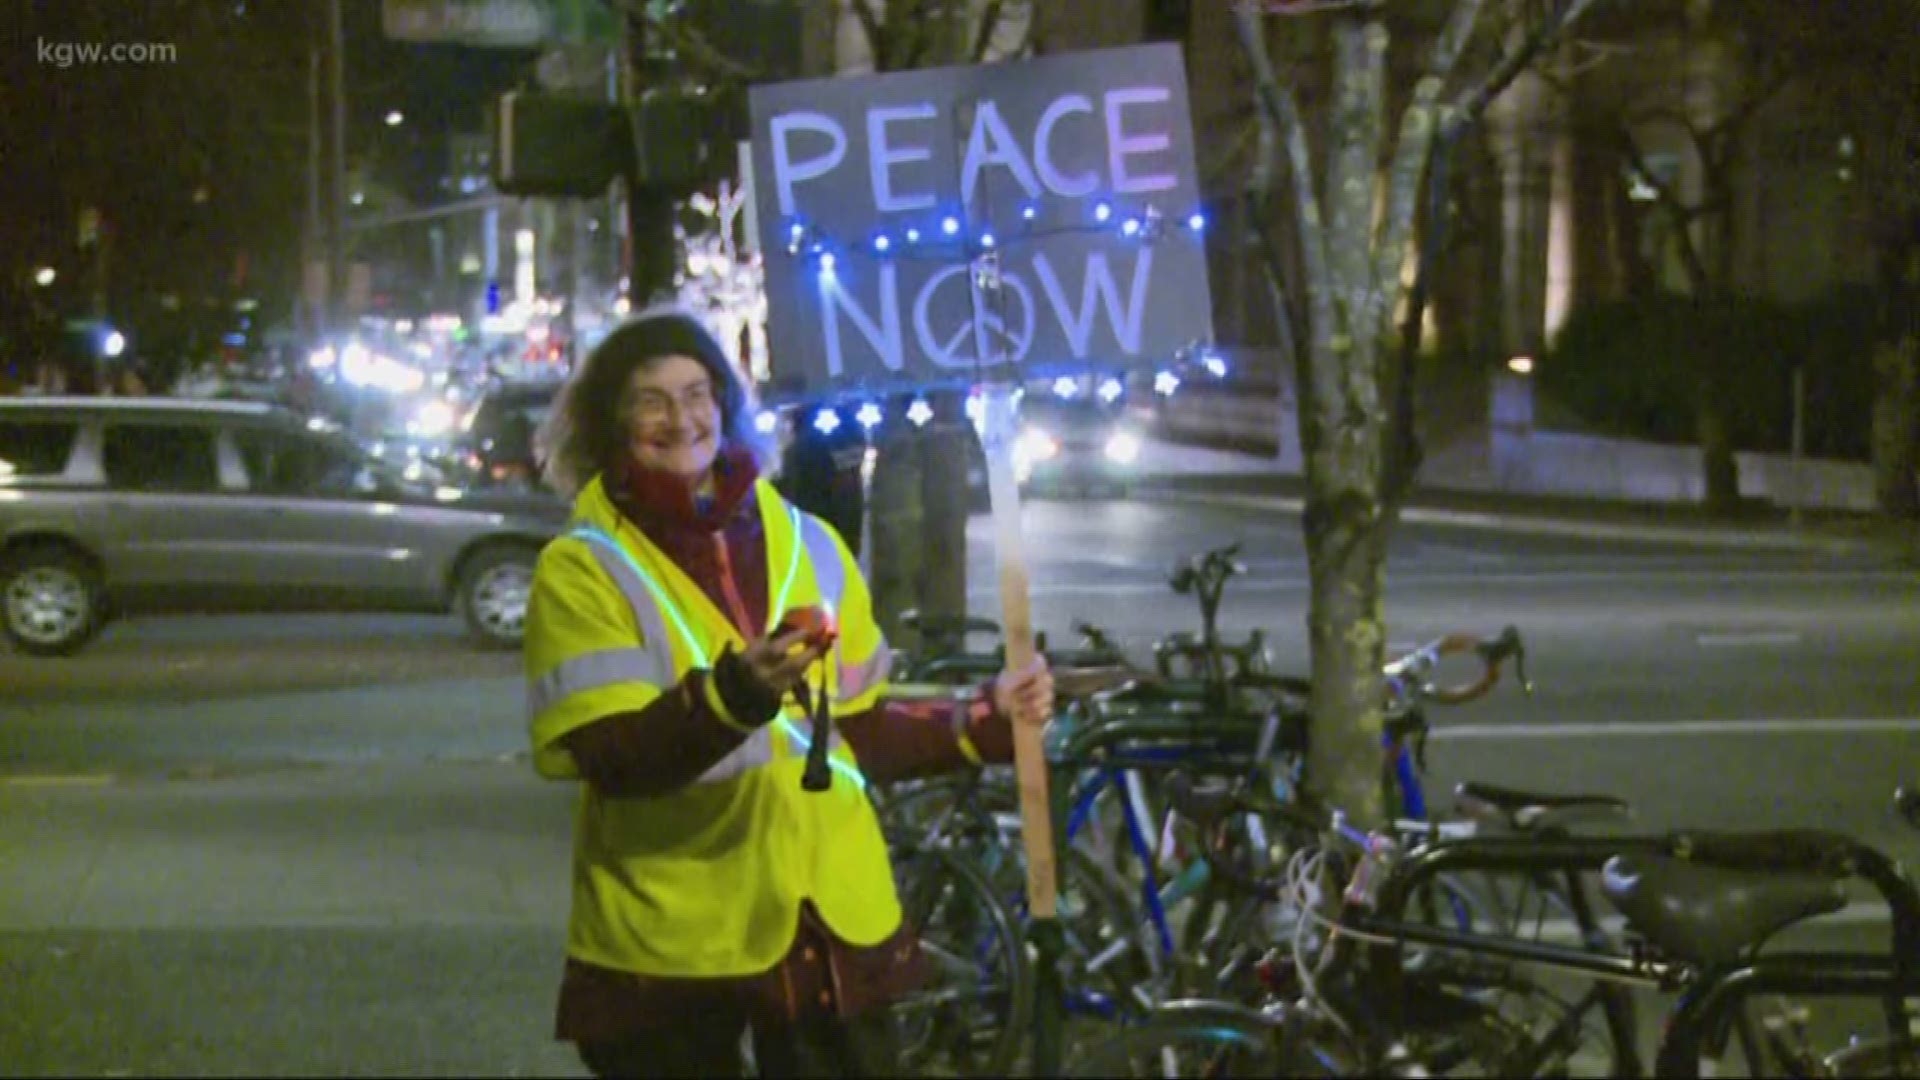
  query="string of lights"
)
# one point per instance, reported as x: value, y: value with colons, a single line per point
x: 946, y: 239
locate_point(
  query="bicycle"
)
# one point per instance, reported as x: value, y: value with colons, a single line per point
x: 1702, y: 905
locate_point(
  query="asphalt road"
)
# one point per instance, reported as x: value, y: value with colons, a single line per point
x: 305, y: 845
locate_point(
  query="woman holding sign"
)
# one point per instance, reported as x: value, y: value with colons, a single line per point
x: 679, y: 637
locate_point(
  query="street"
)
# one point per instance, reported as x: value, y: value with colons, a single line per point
x: 308, y: 845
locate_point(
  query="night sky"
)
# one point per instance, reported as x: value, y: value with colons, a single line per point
x: 201, y: 159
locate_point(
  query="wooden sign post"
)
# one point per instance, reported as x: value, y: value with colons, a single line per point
x: 987, y: 226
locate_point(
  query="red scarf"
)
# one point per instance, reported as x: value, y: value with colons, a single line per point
x: 654, y: 497
x: 717, y: 540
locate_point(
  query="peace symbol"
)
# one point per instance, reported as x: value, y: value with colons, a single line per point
x: 947, y: 348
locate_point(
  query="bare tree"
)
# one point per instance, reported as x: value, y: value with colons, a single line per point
x: 1355, y: 223
x: 1874, y: 82
x: 1734, y: 61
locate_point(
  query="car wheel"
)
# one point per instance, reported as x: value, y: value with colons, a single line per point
x: 493, y: 595
x: 50, y: 601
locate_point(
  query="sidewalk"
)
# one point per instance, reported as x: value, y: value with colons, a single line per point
x: 1227, y: 478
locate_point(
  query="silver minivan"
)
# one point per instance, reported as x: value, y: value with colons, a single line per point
x: 111, y: 505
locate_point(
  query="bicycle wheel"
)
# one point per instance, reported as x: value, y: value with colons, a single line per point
x: 948, y: 811
x: 1208, y: 1038
x: 1891, y: 1057
x: 970, y: 1018
x: 1581, y: 1028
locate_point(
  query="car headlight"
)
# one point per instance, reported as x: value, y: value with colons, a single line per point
x: 1035, y: 444
x: 433, y: 419
x: 1123, y: 448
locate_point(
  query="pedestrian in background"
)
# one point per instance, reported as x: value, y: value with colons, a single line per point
x: 824, y: 472
x: 668, y: 671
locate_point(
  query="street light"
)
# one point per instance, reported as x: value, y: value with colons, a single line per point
x: 395, y: 118
x: 44, y: 276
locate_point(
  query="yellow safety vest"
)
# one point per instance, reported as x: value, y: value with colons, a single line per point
x: 706, y: 881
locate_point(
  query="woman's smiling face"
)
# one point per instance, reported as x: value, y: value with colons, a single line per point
x: 673, y: 417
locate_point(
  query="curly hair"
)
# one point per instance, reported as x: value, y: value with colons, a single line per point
x: 586, y: 435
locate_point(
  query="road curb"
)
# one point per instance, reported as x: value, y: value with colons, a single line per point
x: 1539, y: 526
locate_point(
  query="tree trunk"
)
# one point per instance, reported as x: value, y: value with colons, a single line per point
x: 1722, y: 470
x: 1347, y: 629
x: 1896, y: 427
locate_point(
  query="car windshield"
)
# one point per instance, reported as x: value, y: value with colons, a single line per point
x: 1066, y: 412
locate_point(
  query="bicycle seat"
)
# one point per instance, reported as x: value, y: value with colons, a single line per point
x: 938, y: 625
x: 1711, y: 915
x: 1526, y: 810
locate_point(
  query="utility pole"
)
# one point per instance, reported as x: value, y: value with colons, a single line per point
x: 651, y: 249
x: 315, y: 306
x: 336, y: 212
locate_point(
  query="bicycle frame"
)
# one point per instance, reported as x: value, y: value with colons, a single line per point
x: 1124, y: 765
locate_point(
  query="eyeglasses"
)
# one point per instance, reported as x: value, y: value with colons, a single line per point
x: 655, y: 406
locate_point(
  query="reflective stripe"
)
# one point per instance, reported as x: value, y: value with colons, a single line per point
x: 755, y: 752
x: 825, y: 555
x: 800, y: 733
x: 593, y: 670
x: 793, y: 567
x: 646, y: 599
x: 857, y: 679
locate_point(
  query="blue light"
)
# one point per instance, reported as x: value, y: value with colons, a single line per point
x: 919, y: 412
x: 881, y: 244
x: 1065, y: 387
x: 827, y: 262
x: 826, y: 422
x: 913, y: 236
x: 869, y: 416
x: 1029, y: 212
x: 1130, y: 227
x: 1215, y: 366
x: 1166, y: 383
x: 1102, y: 211
x: 986, y: 240
x: 1110, y: 390
x: 766, y: 422
x: 950, y: 226
x: 1197, y: 221
x: 796, y: 231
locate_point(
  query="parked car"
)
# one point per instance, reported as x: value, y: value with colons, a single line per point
x: 114, y: 505
x: 496, y: 448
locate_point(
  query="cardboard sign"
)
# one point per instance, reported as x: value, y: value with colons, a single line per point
x: 932, y: 227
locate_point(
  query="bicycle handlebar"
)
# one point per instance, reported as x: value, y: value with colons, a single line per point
x: 1210, y: 570
x: 1410, y: 672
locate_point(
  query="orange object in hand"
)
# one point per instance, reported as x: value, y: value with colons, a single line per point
x: 816, y: 622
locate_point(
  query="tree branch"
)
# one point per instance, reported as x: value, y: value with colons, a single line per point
x: 983, y: 34
x: 1729, y: 127
x: 1472, y: 104
x: 876, y: 31
x: 1356, y: 133
x: 1418, y: 126
x: 1283, y: 112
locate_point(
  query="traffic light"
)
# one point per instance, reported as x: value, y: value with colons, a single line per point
x: 683, y: 141
x: 670, y: 141
x: 558, y: 146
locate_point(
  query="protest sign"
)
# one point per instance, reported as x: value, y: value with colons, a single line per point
x: 927, y: 227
